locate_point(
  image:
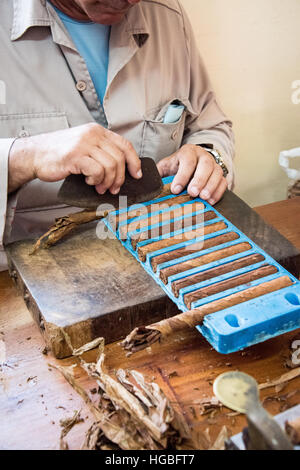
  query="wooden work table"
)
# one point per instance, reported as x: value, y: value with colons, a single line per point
x: 34, y: 397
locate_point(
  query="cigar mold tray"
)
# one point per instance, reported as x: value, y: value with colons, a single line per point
x: 207, y: 259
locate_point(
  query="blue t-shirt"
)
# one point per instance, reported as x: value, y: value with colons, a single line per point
x: 92, y: 43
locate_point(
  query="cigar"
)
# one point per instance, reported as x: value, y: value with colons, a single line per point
x: 173, y: 227
x: 181, y: 238
x: 165, y: 273
x: 190, y: 249
x: 229, y: 284
x: 63, y: 226
x: 214, y: 272
x: 141, y: 338
x: 143, y: 210
x: 174, y: 212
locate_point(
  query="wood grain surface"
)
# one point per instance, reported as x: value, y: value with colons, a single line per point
x: 33, y: 397
x: 93, y: 287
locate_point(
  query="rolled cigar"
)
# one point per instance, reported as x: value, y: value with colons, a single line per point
x: 141, y: 338
x: 190, y: 249
x: 229, y: 284
x: 174, y: 212
x: 182, y: 237
x: 293, y: 431
x: 214, y: 272
x: 143, y: 210
x: 173, y: 227
x: 65, y: 225
x: 165, y: 273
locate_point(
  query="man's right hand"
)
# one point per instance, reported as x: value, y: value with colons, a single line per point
x: 98, y: 153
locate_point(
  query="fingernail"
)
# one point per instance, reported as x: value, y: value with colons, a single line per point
x: 100, y: 190
x: 115, y: 191
x: 177, y: 189
x: 204, y: 194
x: 194, y: 191
x: 211, y: 202
x: 139, y: 174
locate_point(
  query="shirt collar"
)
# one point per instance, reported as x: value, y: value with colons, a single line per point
x: 30, y: 13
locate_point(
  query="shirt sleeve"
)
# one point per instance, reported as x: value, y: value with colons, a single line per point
x: 207, y: 124
x: 7, y: 204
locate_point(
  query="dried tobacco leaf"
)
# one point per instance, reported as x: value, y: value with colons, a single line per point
x: 156, y: 395
x: 96, y: 440
x: 96, y: 343
x: 208, y: 406
x: 67, y: 424
x: 88, y: 347
x: 115, y: 426
x: 221, y: 439
x: 122, y: 398
x: 121, y: 376
x: 65, y: 225
x: 293, y: 374
x: 199, y: 441
x: 173, y: 374
x: 131, y: 414
x: 281, y: 398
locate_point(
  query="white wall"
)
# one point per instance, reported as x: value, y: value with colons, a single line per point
x: 252, y: 51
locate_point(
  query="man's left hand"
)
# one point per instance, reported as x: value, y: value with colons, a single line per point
x: 197, y: 169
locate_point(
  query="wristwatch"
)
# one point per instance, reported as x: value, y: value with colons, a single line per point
x: 218, y: 159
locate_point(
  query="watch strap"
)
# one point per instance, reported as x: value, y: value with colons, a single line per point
x: 216, y: 155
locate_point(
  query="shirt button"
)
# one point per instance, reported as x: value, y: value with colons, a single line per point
x: 174, y: 135
x: 23, y: 133
x: 81, y: 85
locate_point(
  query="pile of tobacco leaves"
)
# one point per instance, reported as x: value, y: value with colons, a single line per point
x: 130, y: 413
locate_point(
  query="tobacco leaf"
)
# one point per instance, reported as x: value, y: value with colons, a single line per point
x: 121, y: 375
x: 114, y: 425
x: 293, y: 374
x: 221, y: 439
x: 67, y: 424
x: 88, y: 347
x: 131, y: 414
x: 208, y: 406
x: 96, y: 343
x: 199, y: 441
x: 96, y: 440
x: 281, y: 398
x: 160, y: 402
x: 123, y: 399
x: 65, y: 225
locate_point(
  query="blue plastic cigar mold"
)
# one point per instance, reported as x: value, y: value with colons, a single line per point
x: 234, y: 328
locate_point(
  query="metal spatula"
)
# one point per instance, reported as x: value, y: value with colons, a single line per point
x: 239, y: 392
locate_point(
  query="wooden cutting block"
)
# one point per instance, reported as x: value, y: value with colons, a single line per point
x: 90, y: 287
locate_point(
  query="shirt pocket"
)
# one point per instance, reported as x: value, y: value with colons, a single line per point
x: 162, y: 139
x: 25, y: 125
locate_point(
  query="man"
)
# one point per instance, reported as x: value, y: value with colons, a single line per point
x: 92, y: 86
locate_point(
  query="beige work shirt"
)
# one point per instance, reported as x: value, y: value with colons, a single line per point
x: 45, y: 86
